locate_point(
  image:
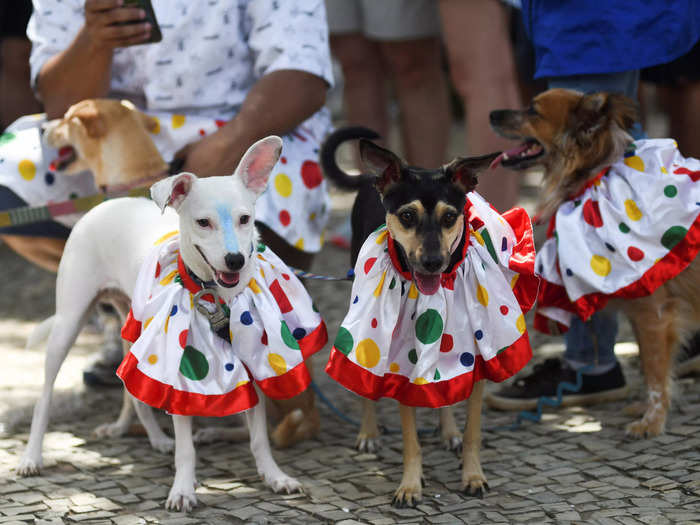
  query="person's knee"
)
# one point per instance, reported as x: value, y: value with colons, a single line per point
x: 414, y: 63
x: 356, y: 54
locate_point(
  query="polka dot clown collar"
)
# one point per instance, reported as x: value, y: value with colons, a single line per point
x: 193, y: 283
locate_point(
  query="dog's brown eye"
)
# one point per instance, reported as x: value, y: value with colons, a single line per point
x: 448, y: 220
x: 204, y: 223
x: 244, y: 219
x: 407, y: 218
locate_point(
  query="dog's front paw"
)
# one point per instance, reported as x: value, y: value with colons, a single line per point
x: 367, y: 443
x: 281, y: 482
x: 408, y: 495
x: 646, y: 427
x: 111, y: 430
x: 162, y: 444
x: 181, y: 498
x: 28, y: 467
x: 474, y: 485
x: 453, y: 442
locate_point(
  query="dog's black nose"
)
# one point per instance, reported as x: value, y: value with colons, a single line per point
x: 431, y: 263
x: 234, y: 261
x: 498, y: 117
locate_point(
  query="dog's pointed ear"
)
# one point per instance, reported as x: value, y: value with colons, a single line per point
x: 381, y: 163
x: 596, y: 110
x: 172, y: 190
x: 91, y: 120
x: 463, y: 171
x: 257, y: 163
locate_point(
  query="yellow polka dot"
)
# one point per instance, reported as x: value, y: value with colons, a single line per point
x: 664, y: 170
x: 635, y: 163
x: 514, y: 280
x: 241, y: 383
x: 148, y: 321
x: 177, y: 121
x: 597, y: 182
x: 482, y: 295
x: 165, y: 327
x: 394, y: 367
x: 191, y: 301
x: 378, y: 289
x: 382, y: 237
x: 367, y: 353
x: 230, y: 335
x: 312, y: 217
x: 262, y: 273
x: 261, y: 257
x: 299, y: 244
x: 153, y: 359
x: 278, y: 364
x: 283, y: 185
x: 520, y: 324
x: 413, y: 291
x: 253, y: 285
x: 27, y: 169
x: 478, y: 237
x: 322, y: 239
x: 633, y: 212
x: 600, y: 265
x: 420, y: 381
x: 165, y: 237
x: 168, y: 278
x: 156, y: 125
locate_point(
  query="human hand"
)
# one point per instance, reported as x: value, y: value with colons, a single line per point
x: 215, y: 154
x: 103, y: 19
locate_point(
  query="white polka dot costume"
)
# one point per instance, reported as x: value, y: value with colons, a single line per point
x: 177, y: 363
x: 429, y: 350
x: 636, y: 226
x: 296, y: 204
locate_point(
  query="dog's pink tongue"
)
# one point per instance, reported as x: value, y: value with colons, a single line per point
x: 507, y: 154
x: 427, y: 283
x: 65, y: 155
x: 227, y: 277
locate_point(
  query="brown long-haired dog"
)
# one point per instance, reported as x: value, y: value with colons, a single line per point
x: 573, y: 137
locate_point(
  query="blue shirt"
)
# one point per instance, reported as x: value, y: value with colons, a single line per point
x: 573, y: 37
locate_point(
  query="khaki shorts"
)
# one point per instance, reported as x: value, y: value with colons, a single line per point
x: 384, y: 19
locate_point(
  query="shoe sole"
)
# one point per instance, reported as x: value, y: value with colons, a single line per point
x: 510, y: 404
x: 688, y: 367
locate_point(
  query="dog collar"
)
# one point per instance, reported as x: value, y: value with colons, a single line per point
x: 193, y: 283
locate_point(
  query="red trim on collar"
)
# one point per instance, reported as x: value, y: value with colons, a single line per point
x: 188, y: 283
x: 590, y: 183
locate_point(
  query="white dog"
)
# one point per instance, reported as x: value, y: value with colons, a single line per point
x: 103, y: 256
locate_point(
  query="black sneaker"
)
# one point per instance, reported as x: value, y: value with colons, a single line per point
x: 524, y: 392
x: 688, y: 362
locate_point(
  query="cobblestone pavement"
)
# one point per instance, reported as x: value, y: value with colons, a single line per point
x: 575, y: 466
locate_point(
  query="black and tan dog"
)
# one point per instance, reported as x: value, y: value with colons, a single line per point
x: 576, y: 138
x: 423, y: 211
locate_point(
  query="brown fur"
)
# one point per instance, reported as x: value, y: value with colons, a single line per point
x: 580, y: 135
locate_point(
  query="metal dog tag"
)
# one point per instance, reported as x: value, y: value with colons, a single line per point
x: 218, y: 318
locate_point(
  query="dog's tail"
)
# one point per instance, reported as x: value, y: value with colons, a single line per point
x: 327, y: 157
x: 40, y: 333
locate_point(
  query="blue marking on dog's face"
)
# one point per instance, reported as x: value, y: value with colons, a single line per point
x: 226, y: 221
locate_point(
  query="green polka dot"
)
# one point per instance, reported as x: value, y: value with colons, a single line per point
x: 489, y: 245
x: 437, y: 374
x: 261, y: 247
x: 413, y: 356
x: 73, y: 196
x: 6, y: 137
x: 670, y: 191
x: 624, y: 228
x: 429, y: 326
x: 379, y: 228
x: 343, y: 341
x: 178, y: 280
x: 193, y: 364
x: 287, y: 337
x: 392, y: 284
x: 314, y: 307
x: 673, y: 236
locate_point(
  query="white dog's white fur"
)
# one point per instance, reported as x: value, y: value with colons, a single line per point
x: 103, y: 255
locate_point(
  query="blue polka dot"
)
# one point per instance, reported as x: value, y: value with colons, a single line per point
x: 466, y: 359
x: 49, y: 178
x: 610, y: 247
x: 540, y: 270
x: 504, y: 244
x: 569, y: 272
x: 174, y: 310
x: 298, y: 333
x: 228, y: 366
x: 246, y: 318
x: 354, y: 301
x: 478, y: 334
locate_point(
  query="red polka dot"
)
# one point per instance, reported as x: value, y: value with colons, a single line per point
x: 183, y: 338
x: 504, y: 309
x: 369, y: 263
x: 280, y: 297
x: 476, y: 223
x: 285, y: 218
x: 374, y: 323
x: 285, y: 276
x: 591, y: 213
x: 446, y: 343
x: 263, y: 339
x: 311, y: 174
x: 202, y: 132
x: 283, y: 160
x: 157, y: 270
x: 635, y: 253
x: 219, y: 123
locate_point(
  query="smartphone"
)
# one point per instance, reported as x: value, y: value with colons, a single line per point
x: 156, y: 35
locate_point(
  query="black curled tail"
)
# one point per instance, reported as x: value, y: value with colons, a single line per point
x: 327, y: 157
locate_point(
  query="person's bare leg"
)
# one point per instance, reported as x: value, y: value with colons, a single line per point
x: 421, y: 89
x: 17, y: 95
x: 483, y: 72
x: 45, y: 252
x: 683, y: 105
x: 364, y: 88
